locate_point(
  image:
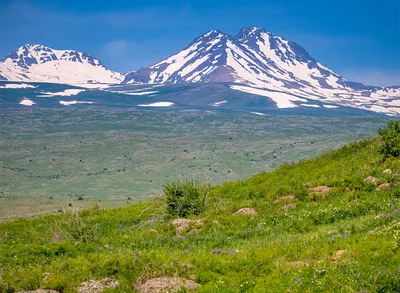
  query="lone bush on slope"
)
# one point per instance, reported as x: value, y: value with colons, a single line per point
x: 185, y: 198
x: 390, y: 139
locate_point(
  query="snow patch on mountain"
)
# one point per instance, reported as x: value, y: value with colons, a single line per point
x: 137, y: 93
x: 27, y: 102
x: 282, y: 100
x: 74, y: 102
x: 65, y: 93
x: 157, y: 104
x: 310, y: 105
x: 216, y: 104
x: 16, y: 86
x: 258, y: 113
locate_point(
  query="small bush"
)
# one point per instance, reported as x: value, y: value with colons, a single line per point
x: 74, y: 228
x: 185, y: 198
x: 390, y: 139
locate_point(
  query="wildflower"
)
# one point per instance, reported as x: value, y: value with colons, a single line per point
x: 297, y: 281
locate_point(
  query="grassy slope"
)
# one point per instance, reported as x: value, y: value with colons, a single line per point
x: 140, y: 241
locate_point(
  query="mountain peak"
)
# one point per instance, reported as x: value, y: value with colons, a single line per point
x: 212, y: 34
x: 256, y: 57
x: 252, y: 30
x: 28, y: 46
x: 36, y: 62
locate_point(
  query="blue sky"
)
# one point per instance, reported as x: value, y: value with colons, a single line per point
x: 358, y: 39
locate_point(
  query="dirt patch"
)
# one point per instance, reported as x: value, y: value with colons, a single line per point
x: 246, y: 211
x: 298, y: 264
x: 97, y: 286
x: 321, y: 190
x: 288, y: 207
x: 338, y: 254
x: 289, y: 197
x: 165, y: 284
x: 371, y: 180
x: 384, y: 186
x: 186, y: 226
x: 387, y: 172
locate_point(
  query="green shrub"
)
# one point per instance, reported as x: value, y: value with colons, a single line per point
x: 185, y: 198
x: 74, y: 228
x: 390, y: 139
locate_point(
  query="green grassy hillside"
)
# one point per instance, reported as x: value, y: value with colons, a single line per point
x: 343, y: 240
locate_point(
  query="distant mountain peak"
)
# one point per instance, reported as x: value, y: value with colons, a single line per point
x: 246, y: 31
x: 255, y: 57
x: 35, y: 62
x: 212, y: 34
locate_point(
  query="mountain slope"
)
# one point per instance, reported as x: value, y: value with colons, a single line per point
x: 38, y: 63
x: 259, y: 62
x: 343, y: 240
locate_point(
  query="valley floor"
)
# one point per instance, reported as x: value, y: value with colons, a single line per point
x: 54, y: 159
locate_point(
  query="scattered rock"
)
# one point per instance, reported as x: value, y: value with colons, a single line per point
x: 288, y: 207
x: 165, y: 284
x: 39, y: 291
x: 298, y: 264
x: 371, y: 180
x: 186, y: 226
x: 289, y: 197
x: 384, y: 186
x: 387, y: 172
x: 323, y: 190
x: 338, y: 254
x: 246, y: 211
x: 97, y: 286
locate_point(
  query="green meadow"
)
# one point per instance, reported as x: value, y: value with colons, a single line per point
x: 343, y: 236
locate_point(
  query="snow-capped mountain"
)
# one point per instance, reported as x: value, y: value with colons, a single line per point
x: 258, y: 62
x: 255, y: 57
x: 43, y: 64
x: 256, y: 65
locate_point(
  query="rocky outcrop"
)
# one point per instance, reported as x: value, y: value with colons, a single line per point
x: 246, y: 212
x: 165, y: 284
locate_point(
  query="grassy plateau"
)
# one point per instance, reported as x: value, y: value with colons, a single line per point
x: 56, y: 159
